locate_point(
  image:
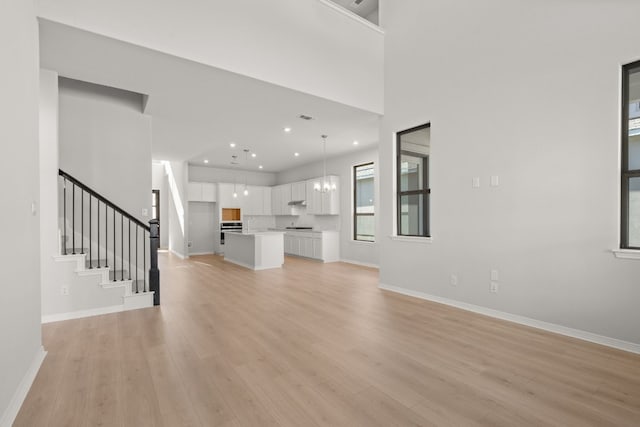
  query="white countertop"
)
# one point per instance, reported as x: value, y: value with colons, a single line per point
x: 255, y: 233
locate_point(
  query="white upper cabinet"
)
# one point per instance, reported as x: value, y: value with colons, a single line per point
x: 280, y: 198
x: 201, y: 192
x: 299, y: 191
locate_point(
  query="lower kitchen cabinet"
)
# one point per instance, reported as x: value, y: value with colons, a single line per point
x: 320, y: 245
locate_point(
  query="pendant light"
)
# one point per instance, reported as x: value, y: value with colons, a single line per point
x: 235, y: 177
x: 325, y: 186
x: 246, y: 162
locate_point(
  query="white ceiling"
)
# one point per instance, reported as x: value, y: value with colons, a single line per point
x: 364, y: 9
x: 198, y: 110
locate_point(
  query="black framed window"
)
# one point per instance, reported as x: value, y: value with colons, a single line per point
x: 364, y: 228
x: 630, y: 209
x: 413, y: 191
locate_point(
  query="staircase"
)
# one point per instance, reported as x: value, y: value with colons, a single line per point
x: 104, y: 245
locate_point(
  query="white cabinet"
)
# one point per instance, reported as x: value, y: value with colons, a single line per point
x: 201, y: 192
x: 323, y: 245
x: 257, y: 202
x: 323, y: 202
x: 280, y: 198
x: 299, y: 191
x: 225, y: 196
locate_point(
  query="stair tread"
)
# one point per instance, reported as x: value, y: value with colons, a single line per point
x: 77, y: 252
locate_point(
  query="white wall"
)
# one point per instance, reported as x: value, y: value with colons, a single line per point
x: 49, y: 238
x: 209, y: 174
x: 20, y: 352
x: 105, y: 142
x: 178, y: 214
x: 203, y: 225
x: 529, y: 92
x: 159, y: 182
x: 350, y: 250
x: 331, y: 55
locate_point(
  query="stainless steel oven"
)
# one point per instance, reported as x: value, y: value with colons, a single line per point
x: 229, y: 226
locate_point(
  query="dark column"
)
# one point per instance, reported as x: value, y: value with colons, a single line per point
x: 154, y: 273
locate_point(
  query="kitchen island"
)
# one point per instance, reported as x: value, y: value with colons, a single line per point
x: 258, y: 250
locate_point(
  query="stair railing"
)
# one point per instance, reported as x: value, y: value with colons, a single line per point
x: 112, y: 213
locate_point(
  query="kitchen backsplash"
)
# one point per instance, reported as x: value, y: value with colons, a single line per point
x: 318, y: 222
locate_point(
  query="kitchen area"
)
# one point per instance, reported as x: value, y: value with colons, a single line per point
x: 255, y: 226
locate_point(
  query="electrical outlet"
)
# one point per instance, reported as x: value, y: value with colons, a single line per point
x: 495, y: 275
x: 64, y: 290
x: 453, y: 280
x: 494, y: 287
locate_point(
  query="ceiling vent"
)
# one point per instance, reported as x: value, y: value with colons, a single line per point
x: 303, y: 117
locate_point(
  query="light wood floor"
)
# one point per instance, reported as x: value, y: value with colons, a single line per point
x: 317, y: 344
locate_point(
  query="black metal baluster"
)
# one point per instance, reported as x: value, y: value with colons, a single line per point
x: 82, y: 221
x: 106, y: 235
x: 64, y: 208
x: 90, y: 241
x: 114, y: 244
x: 137, y: 258
x: 73, y: 217
x: 129, y: 242
x: 121, y: 247
x: 98, y: 209
x: 144, y: 261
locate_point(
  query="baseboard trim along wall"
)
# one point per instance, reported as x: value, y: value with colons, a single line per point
x: 178, y: 254
x: 550, y: 327
x: 201, y: 253
x: 82, y: 313
x: 363, y: 264
x: 17, y: 400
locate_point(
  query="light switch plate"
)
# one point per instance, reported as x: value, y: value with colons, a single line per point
x: 495, y: 276
x: 495, y: 180
x: 475, y: 182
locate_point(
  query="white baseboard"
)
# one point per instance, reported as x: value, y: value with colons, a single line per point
x: 17, y: 400
x: 178, y: 254
x: 550, y: 327
x: 364, y: 264
x: 81, y: 313
x: 201, y: 253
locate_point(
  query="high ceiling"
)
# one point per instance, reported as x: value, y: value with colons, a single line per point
x: 199, y: 110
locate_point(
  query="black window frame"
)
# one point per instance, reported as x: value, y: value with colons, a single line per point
x: 355, y: 207
x: 626, y: 173
x: 425, y: 191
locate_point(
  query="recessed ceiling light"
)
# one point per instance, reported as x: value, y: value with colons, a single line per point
x: 253, y: 154
x: 260, y: 167
x: 232, y: 145
x: 355, y: 142
x: 206, y: 161
x: 287, y: 130
x: 296, y: 154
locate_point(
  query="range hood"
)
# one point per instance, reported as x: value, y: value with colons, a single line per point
x: 297, y: 203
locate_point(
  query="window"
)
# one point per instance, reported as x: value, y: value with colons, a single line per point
x: 630, y: 209
x: 363, y: 196
x: 412, y: 169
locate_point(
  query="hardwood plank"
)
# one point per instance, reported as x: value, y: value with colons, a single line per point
x: 318, y: 344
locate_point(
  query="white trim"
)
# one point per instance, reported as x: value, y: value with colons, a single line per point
x: 538, y: 324
x: 626, y: 253
x: 201, y: 253
x: 81, y: 313
x: 21, y: 392
x: 413, y: 239
x: 178, y: 254
x: 363, y: 264
x: 362, y: 242
x: 349, y: 14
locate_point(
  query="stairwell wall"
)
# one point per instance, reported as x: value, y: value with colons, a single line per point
x: 21, y: 350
